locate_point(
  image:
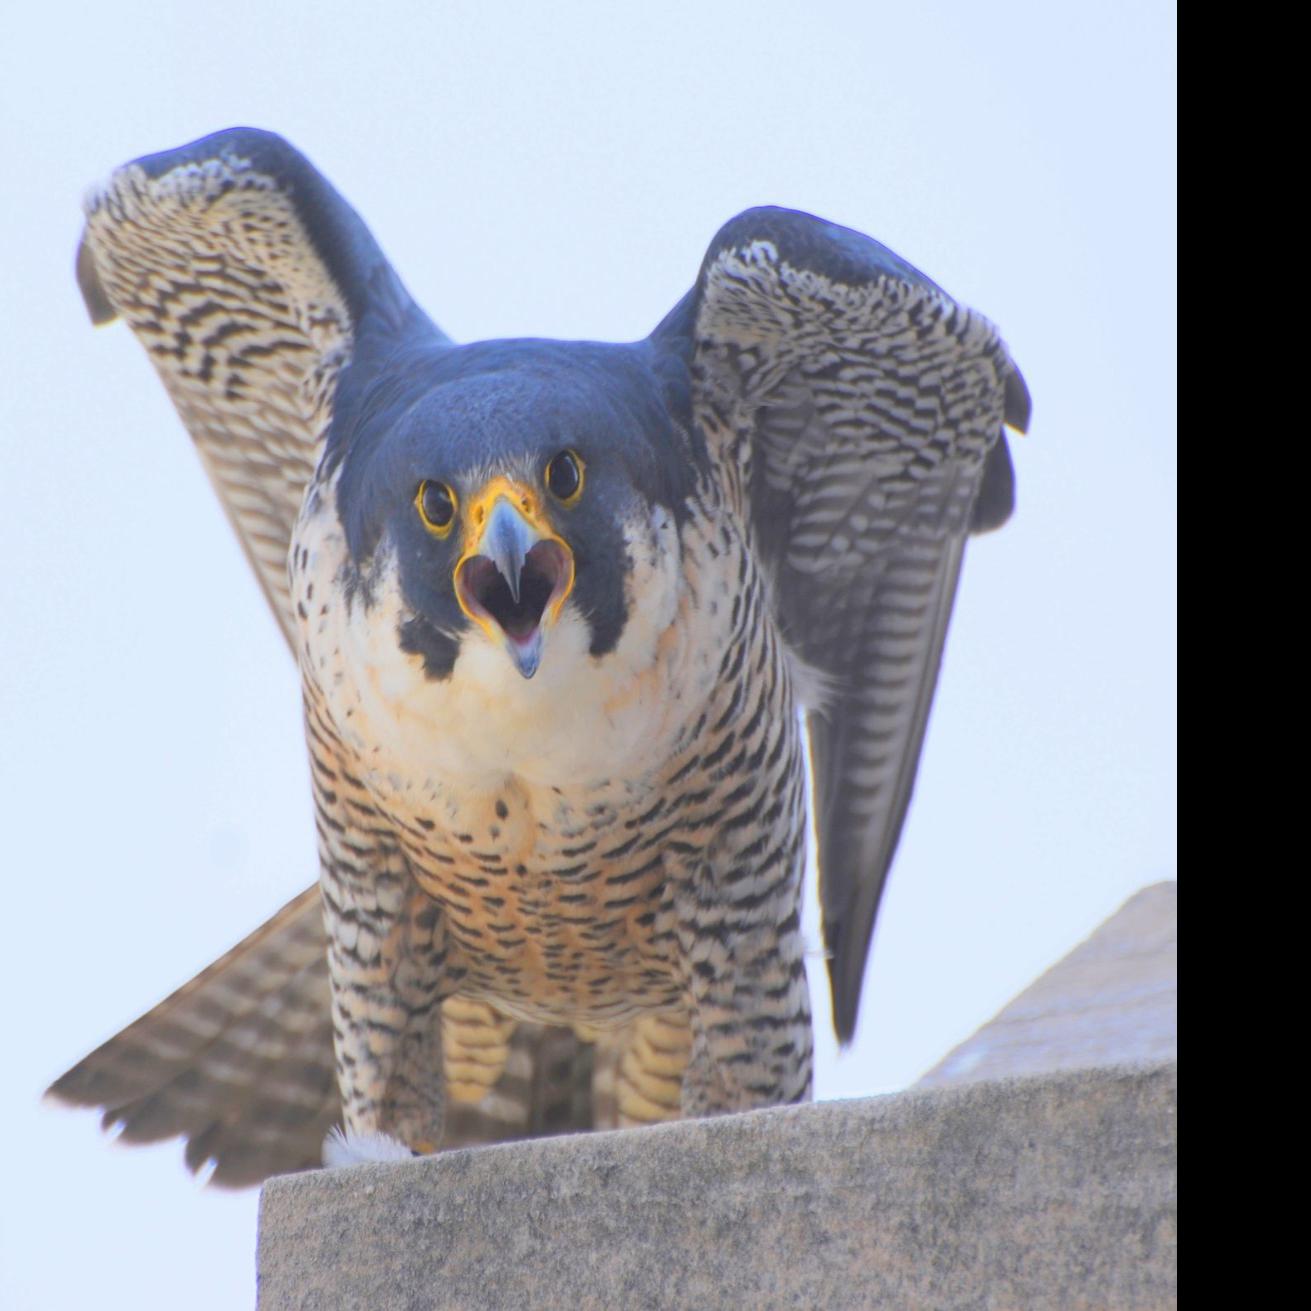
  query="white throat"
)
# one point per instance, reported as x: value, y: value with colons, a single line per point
x: 581, y: 720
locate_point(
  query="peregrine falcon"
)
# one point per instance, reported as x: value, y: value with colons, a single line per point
x: 559, y: 609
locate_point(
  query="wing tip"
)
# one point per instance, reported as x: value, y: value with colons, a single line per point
x: 844, y: 989
x: 846, y: 1004
x: 809, y: 241
x: 98, y: 305
x: 256, y: 145
x: 1019, y: 405
x: 844, y: 1021
x: 995, y: 502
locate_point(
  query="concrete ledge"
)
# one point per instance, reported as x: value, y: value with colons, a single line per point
x: 1113, y: 1000
x: 1057, y: 1191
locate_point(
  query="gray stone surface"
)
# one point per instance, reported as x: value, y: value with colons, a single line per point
x: 1113, y: 999
x: 1050, y: 1192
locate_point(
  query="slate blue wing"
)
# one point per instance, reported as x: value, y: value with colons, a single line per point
x: 865, y: 409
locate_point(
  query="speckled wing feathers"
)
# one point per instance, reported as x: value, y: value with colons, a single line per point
x: 247, y: 279
x: 866, y: 407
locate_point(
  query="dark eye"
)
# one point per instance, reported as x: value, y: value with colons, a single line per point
x: 436, y: 504
x: 564, y: 477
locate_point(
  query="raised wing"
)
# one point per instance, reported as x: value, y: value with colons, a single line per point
x: 252, y: 285
x: 865, y: 410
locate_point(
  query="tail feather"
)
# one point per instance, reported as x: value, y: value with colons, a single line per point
x: 164, y: 1045
x: 240, y: 1063
x: 263, y: 1056
x: 281, y: 1126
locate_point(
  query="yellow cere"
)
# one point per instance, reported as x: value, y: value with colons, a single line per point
x: 524, y: 499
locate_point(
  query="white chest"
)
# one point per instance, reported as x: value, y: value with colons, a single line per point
x: 580, y: 725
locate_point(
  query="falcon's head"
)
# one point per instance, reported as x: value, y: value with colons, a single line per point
x: 522, y: 489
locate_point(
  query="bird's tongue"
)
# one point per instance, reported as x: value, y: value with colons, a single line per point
x: 526, y: 653
x: 488, y: 591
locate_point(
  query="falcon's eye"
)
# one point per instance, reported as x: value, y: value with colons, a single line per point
x: 436, y: 505
x: 564, y: 477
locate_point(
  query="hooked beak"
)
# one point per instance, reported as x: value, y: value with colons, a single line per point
x: 515, y: 574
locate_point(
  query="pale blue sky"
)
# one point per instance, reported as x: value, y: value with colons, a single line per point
x: 557, y: 170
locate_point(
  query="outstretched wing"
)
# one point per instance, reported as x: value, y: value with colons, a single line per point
x: 252, y: 285
x: 864, y: 409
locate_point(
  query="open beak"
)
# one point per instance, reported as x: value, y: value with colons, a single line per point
x: 514, y: 574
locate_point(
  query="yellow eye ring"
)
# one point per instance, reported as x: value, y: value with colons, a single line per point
x: 564, y: 477
x: 437, y: 505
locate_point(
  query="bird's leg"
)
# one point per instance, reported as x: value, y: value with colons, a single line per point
x: 387, y: 957
x: 745, y: 980
x: 650, y: 1061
